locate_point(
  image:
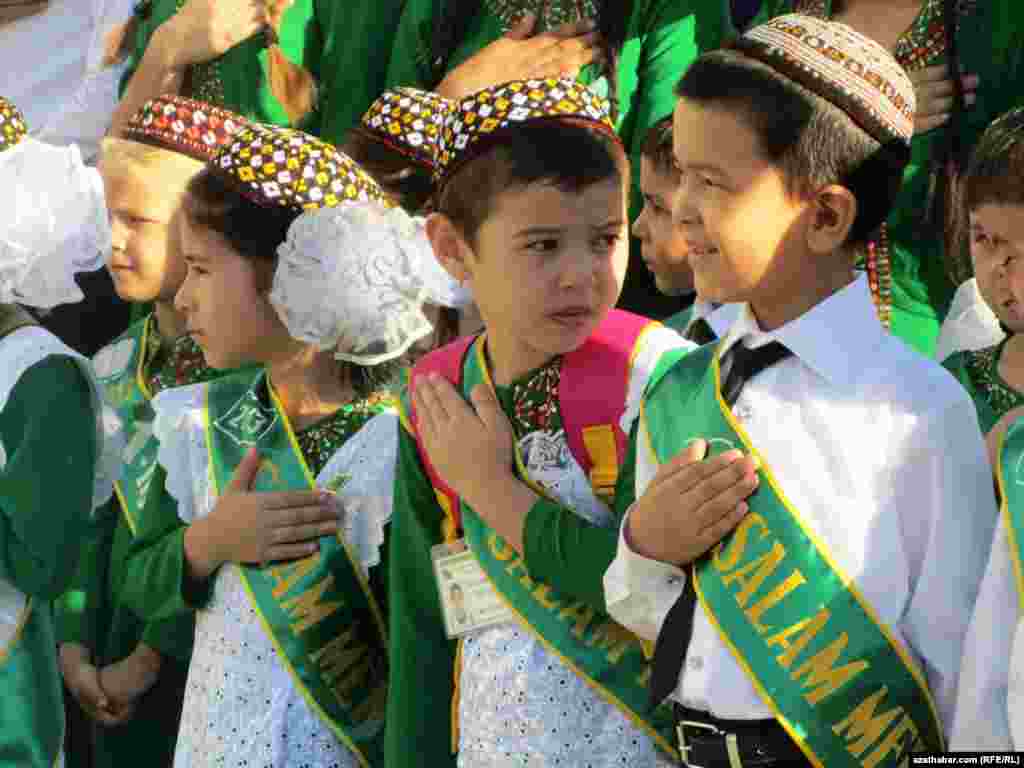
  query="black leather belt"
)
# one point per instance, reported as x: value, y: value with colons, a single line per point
x: 710, y: 742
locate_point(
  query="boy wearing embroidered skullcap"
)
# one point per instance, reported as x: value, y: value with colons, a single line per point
x: 845, y: 589
x: 128, y: 675
x: 530, y: 201
x: 990, y: 706
x: 59, y: 449
x: 664, y: 248
x: 297, y: 262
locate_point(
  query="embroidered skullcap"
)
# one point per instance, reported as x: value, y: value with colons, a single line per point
x: 480, y: 119
x: 187, y: 126
x: 12, y: 124
x: 276, y: 166
x: 410, y: 122
x: 844, y: 67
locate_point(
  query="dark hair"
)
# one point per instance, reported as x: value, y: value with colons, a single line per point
x: 405, y: 181
x: 255, y: 231
x: 453, y: 21
x: 812, y: 141
x: 570, y: 155
x: 941, y: 209
x: 994, y: 174
x: 658, y: 145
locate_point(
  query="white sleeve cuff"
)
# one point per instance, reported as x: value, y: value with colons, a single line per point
x: 640, y: 591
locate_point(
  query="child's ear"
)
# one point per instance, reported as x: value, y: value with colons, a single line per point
x: 834, y: 209
x: 450, y: 247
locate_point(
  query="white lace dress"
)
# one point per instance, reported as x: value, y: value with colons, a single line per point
x: 242, y: 709
x: 521, y: 705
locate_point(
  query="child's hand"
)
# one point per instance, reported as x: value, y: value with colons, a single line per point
x: 691, y: 504
x: 470, y: 447
x: 561, y: 52
x: 933, y: 88
x: 82, y: 679
x: 127, y: 680
x: 205, y: 29
x: 248, y: 527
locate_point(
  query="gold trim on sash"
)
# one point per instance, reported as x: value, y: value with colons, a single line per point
x: 844, y: 579
x: 374, y: 608
x: 605, y: 694
x: 1004, y: 514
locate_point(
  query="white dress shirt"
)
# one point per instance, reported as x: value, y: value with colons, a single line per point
x: 879, y: 450
x: 990, y: 705
x: 719, y: 316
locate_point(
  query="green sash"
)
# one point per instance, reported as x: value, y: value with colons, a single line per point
x: 600, y: 651
x: 1010, y: 476
x: 319, y: 611
x: 32, y: 708
x: 126, y: 391
x: 841, y: 685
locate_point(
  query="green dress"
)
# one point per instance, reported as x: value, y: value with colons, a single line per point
x: 338, y: 42
x: 48, y: 433
x: 978, y: 371
x: 92, y: 613
x: 662, y: 38
x: 989, y: 40
x: 560, y: 549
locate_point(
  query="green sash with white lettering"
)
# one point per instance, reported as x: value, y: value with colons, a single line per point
x: 606, y: 655
x: 319, y: 611
x: 1010, y: 476
x: 841, y: 685
x: 119, y: 368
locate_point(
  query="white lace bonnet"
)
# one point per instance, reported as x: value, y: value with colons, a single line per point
x: 355, y: 270
x: 54, y: 222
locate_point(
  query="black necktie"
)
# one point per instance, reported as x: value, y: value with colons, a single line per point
x: 700, y: 332
x: 742, y: 364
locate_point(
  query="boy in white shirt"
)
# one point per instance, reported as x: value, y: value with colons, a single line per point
x: 843, y: 596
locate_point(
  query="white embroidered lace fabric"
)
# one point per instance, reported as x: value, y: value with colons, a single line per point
x: 241, y: 705
x: 521, y: 705
x: 54, y: 225
x: 354, y: 278
x: 367, y: 463
x: 26, y: 347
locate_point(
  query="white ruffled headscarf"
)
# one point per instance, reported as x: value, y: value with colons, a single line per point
x: 353, y: 278
x: 53, y: 223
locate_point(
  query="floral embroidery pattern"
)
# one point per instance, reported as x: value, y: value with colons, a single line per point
x: 983, y: 369
x: 535, y: 401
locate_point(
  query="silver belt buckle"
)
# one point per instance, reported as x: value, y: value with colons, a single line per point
x: 731, y: 744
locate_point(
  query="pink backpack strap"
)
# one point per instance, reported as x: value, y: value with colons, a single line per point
x: 446, y: 361
x: 592, y: 395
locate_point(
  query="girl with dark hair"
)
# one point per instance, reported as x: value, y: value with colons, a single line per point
x: 299, y: 263
x: 644, y: 49
x: 990, y: 704
x: 917, y: 270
